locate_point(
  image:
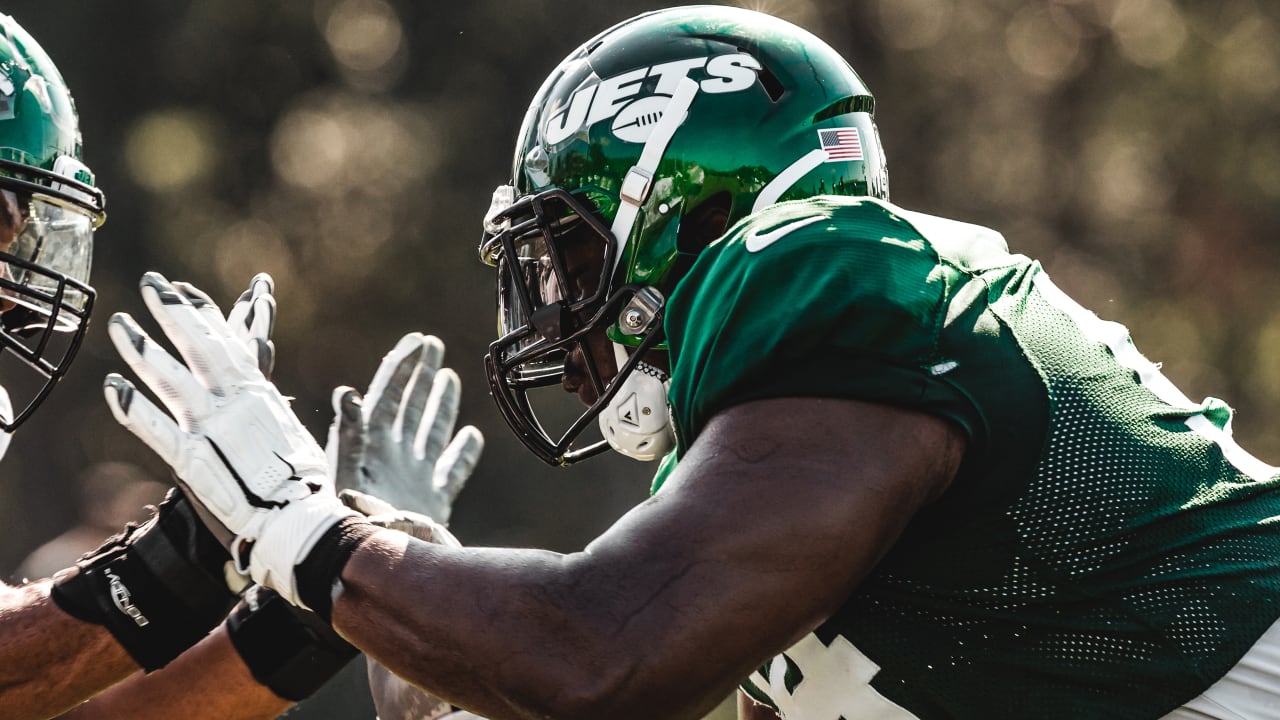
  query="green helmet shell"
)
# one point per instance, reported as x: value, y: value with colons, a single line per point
x: 39, y: 128
x: 766, y: 89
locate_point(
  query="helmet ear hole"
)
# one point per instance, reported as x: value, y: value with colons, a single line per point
x: 703, y: 224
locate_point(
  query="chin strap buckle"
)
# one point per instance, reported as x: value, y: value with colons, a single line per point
x: 638, y: 315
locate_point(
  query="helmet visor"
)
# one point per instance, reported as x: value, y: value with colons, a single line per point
x: 527, y: 283
x: 44, y: 265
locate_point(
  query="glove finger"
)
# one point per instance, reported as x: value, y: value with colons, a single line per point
x: 365, y: 504
x: 345, y: 447
x: 240, y: 330
x: 198, y: 299
x: 252, y: 320
x: 141, y: 417
x: 417, y: 404
x: 242, y: 315
x: 409, y: 523
x: 458, y: 461
x: 262, y: 317
x: 262, y: 285
x: 265, y: 350
x: 204, y: 340
x: 238, y: 316
x: 169, y: 379
x: 262, y: 322
x: 442, y: 409
x: 386, y: 390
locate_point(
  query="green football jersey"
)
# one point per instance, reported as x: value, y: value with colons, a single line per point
x: 1106, y: 551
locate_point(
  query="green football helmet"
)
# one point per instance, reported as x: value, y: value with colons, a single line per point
x: 49, y: 209
x: 643, y: 146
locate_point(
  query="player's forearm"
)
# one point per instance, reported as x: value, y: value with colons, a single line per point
x: 208, y: 682
x: 497, y: 611
x: 49, y: 661
x: 500, y: 633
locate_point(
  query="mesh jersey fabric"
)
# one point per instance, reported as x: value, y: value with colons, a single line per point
x: 1106, y: 550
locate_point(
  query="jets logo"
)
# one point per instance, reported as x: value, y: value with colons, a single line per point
x: 636, y: 99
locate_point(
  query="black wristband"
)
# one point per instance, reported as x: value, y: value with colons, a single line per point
x: 158, y: 588
x: 315, y: 576
x: 287, y: 649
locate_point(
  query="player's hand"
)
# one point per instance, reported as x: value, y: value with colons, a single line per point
x: 251, y: 319
x: 396, y: 446
x: 237, y: 449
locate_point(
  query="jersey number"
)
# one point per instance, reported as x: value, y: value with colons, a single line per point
x: 835, y: 684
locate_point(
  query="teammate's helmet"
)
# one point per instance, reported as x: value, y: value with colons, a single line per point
x: 49, y: 209
x: 648, y: 142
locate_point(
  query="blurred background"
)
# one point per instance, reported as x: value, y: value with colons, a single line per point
x: 349, y: 147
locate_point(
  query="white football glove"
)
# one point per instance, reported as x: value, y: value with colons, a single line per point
x: 251, y: 319
x: 395, y: 443
x: 238, y: 451
x: 385, y: 515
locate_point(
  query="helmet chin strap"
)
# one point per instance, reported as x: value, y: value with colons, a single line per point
x: 638, y: 181
x: 636, y: 422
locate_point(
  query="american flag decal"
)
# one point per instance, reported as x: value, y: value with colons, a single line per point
x: 841, y: 143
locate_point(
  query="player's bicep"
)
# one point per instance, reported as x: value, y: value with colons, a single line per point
x: 768, y: 523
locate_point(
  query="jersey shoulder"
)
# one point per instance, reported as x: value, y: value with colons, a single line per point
x: 824, y: 297
x: 811, y: 225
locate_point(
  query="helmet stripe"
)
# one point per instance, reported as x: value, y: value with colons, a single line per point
x: 639, y: 179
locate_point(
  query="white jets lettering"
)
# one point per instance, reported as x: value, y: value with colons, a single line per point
x: 614, y: 92
x: 605, y: 99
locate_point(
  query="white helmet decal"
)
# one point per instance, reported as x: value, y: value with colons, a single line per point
x: 635, y: 111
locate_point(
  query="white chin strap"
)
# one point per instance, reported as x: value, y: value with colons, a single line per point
x: 638, y: 181
x: 636, y: 422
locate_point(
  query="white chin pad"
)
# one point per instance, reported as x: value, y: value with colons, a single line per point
x: 636, y: 422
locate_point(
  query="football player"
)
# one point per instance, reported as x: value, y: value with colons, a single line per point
x: 903, y: 474
x: 150, y: 594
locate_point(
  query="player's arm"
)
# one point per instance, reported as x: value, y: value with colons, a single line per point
x: 661, y: 616
x: 48, y: 659
x: 208, y: 682
x: 677, y: 602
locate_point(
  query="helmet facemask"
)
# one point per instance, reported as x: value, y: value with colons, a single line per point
x: 555, y: 257
x: 46, y: 249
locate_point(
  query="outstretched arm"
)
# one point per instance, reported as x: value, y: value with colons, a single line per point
x: 668, y: 610
x: 661, y: 616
